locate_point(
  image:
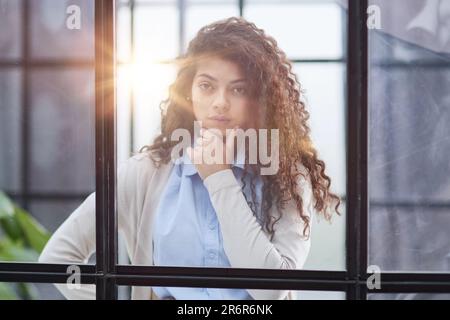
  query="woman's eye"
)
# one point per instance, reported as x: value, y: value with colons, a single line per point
x: 205, y: 86
x: 239, y: 91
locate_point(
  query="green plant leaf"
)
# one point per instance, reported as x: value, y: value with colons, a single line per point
x: 16, y: 251
x: 11, y: 228
x: 27, y: 291
x: 6, y: 206
x: 35, y: 234
x: 7, y: 292
x: 8, y: 221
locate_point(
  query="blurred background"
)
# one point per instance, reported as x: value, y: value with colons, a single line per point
x: 47, y: 114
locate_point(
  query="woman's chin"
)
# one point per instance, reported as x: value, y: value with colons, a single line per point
x: 219, y: 127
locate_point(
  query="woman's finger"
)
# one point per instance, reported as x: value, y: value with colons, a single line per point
x: 229, y: 145
x: 230, y: 138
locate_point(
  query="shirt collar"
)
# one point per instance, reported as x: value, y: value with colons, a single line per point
x: 190, y: 169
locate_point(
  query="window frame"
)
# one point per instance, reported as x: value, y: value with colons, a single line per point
x: 107, y: 275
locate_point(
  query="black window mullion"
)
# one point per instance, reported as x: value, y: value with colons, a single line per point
x: 231, y: 282
x: 105, y: 143
x: 25, y: 114
x: 357, y: 143
x: 364, y: 151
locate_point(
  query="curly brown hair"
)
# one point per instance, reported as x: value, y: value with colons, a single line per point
x: 277, y: 92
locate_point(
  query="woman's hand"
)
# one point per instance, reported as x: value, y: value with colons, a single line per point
x: 204, y: 156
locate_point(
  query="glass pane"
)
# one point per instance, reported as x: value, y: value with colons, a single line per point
x: 143, y: 85
x: 327, y: 115
x: 191, y: 293
x: 29, y: 291
x: 156, y: 33
x: 291, y: 1
x: 123, y: 31
x: 409, y: 132
x: 47, y: 121
x: 11, y: 20
x: 409, y: 146
x: 62, y: 29
x: 408, y: 296
x: 61, y: 166
x: 328, y: 243
x: 219, y: 2
x: 155, y: 2
x: 424, y: 249
x: 327, y: 122
x: 123, y: 83
x: 10, y: 129
x: 198, y: 16
x: 67, y: 97
x: 148, y: 84
x: 52, y: 213
x: 291, y: 24
x: 147, y: 96
x: 424, y: 23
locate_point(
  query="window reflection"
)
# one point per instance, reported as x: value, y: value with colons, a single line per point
x: 409, y: 77
x: 50, y: 38
x: 10, y: 17
x: 47, y: 117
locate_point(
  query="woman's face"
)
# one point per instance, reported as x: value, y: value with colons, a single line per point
x: 220, y: 95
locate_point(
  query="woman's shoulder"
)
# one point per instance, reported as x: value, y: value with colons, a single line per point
x: 141, y: 167
x: 141, y: 161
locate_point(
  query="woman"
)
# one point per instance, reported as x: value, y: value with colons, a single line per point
x: 188, y: 211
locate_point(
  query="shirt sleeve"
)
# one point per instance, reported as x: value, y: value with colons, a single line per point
x: 74, y: 241
x: 245, y: 242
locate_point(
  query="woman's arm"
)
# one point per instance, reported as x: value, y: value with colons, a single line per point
x: 245, y: 243
x: 74, y: 241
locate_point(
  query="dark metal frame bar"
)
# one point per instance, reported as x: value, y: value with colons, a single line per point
x: 357, y: 146
x: 25, y: 104
x: 105, y: 145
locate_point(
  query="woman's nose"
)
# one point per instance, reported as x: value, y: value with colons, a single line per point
x: 221, y: 102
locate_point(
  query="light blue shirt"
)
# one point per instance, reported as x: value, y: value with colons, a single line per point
x: 187, y: 232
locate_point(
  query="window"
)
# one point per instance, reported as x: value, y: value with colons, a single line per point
x: 378, y: 117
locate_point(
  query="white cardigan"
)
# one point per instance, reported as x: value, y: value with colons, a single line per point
x: 140, y: 185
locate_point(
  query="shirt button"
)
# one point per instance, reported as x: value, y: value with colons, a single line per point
x: 212, y: 255
x: 212, y: 225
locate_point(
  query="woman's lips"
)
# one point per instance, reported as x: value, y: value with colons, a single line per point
x: 219, y: 119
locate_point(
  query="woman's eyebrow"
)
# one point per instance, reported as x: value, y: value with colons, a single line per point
x: 214, y: 79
